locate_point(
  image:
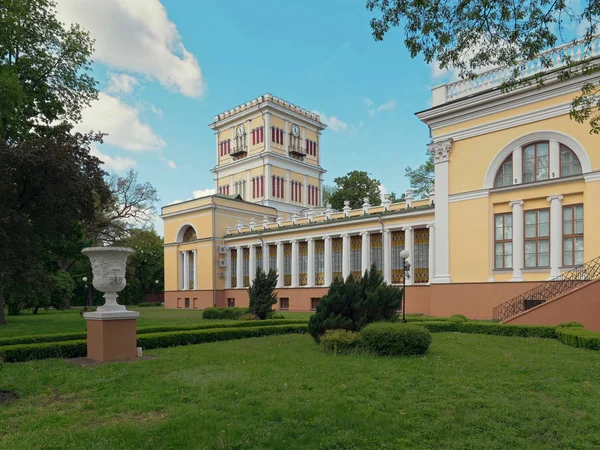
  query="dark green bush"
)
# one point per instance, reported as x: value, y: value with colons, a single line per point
x: 262, y: 293
x: 395, y: 339
x: 275, y: 315
x: 498, y: 329
x: 423, y: 318
x: 26, y: 352
x: 233, y: 313
x: 212, y: 313
x: 570, y: 325
x: 147, y: 304
x: 578, y: 337
x: 350, y: 304
x: 340, y: 341
x: 458, y: 318
x: 249, y: 316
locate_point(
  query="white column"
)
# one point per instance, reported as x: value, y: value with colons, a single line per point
x: 555, y: 234
x: 195, y: 269
x: 345, y: 255
x: 311, y: 262
x: 517, y: 160
x: 265, y: 256
x: 252, y: 264
x: 328, y: 261
x: 240, y: 267
x: 365, y: 260
x: 518, y: 245
x: 280, y: 273
x: 431, y: 251
x: 295, y: 272
x: 228, y: 269
x: 441, y: 153
x: 267, y: 132
x: 186, y: 271
x: 409, y: 245
x: 387, y: 256
x: 554, y: 152
x: 181, y: 270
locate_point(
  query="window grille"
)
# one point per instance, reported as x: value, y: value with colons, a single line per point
x: 397, y: 261
x: 421, y: 257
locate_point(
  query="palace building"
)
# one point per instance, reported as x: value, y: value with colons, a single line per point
x: 515, y: 200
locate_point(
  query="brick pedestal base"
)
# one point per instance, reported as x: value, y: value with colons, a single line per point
x: 111, y: 335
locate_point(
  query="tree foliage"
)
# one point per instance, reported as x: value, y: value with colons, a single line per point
x: 44, y: 68
x: 473, y: 36
x: 422, y: 178
x: 354, y: 187
x: 262, y: 293
x: 352, y: 304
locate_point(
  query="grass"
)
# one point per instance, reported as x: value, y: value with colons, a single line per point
x: 281, y: 392
x: 52, y: 321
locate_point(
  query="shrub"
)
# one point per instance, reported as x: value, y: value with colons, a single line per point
x: 147, y: 304
x: 233, y: 313
x: 262, y: 293
x: 570, y: 325
x: 395, y: 339
x: 458, y: 318
x: 275, y: 315
x: 498, y: 329
x: 249, y: 316
x: 351, y: 304
x: 44, y: 350
x: 212, y: 313
x: 340, y: 341
x: 579, y: 337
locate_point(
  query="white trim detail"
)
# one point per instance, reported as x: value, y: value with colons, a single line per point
x: 472, y: 195
x: 181, y: 231
x: 592, y: 176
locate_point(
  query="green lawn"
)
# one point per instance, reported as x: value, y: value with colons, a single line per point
x: 51, y: 321
x: 281, y: 392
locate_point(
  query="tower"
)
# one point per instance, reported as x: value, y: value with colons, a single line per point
x: 268, y: 152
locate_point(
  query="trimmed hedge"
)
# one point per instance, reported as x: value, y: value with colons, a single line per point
x: 59, y: 337
x: 340, y: 341
x: 148, y: 304
x: 458, y: 318
x: 223, y: 313
x: 579, y: 337
x: 497, y: 329
x: 74, y: 349
x: 395, y: 339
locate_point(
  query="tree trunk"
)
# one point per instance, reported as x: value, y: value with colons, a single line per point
x: 35, y: 310
x: 2, y: 318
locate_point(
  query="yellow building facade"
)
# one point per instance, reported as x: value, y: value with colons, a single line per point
x: 515, y: 202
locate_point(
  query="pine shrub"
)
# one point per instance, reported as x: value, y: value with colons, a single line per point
x: 262, y: 293
x: 395, y: 339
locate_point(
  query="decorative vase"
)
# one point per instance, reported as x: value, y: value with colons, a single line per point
x: 108, y: 268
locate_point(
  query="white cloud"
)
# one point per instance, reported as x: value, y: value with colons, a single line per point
x: 369, y: 106
x: 382, y: 191
x: 333, y: 122
x: 116, y: 164
x: 137, y: 36
x: 121, y: 83
x: 372, y: 109
x: 122, y: 123
x: 159, y: 112
x: 175, y: 201
x: 388, y: 106
x: 203, y: 193
x: 171, y: 164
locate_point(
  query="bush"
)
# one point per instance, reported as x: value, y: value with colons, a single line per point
x: 340, y: 341
x: 579, y: 337
x: 275, y: 315
x: 147, y: 304
x: 458, y: 318
x: 212, y: 313
x: 223, y: 313
x: 570, y: 325
x: 498, y: 329
x: 395, y: 339
x: 350, y: 304
x: 249, y: 316
x: 26, y: 352
x: 262, y: 293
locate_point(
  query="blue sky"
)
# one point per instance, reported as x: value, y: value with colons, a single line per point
x: 166, y: 68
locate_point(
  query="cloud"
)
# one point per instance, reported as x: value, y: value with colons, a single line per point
x: 137, y: 36
x: 121, y: 83
x: 333, y: 122
x: 203, y: 193
x: 159, y: 112
x: 116, y: 164
x: 122, y: 123
x: 372, y: 109
x: 175, y: 201
x: 382, y: 191
x: 388, y: 106
x: 171, y: 164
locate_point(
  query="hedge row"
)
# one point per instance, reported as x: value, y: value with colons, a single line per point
x: 578, y: 337
x: 78, y: 348
x: 498, y: 329
x: 145, y: 330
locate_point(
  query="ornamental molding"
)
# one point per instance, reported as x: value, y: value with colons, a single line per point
x: 440, y: 150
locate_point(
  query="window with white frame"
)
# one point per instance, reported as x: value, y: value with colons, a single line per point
x: 573, y: 235
x: 537, y: 238
x: 503, y: 245
x: 504, y: 175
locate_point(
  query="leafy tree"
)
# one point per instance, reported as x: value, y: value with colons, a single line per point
x: 422, y: 178
x: 472, y: 36
x: 395, y: 199
x: 44, y: 69
x: 354, y: 187
x: 262, y: 293
x: 328, y: 191
x: 352, y: 304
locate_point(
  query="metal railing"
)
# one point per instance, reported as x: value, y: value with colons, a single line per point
x: 549, y: 290
x: 553, y: 58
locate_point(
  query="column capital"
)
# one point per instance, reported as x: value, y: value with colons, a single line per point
x: 310, y: 239
x: 239, y: 247
x: 440, y: 150
x: 514, y: 203
x: 364, y: 233
x: 407, y: 228
x: 430, y: 225
x: 555, y: 197
x: 345, y: 235
x: 327, y: 238
x: 293, y: 241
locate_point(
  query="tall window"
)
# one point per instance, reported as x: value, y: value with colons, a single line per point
x: 311, y: 148
x: 355, y: 256
x: 296, y: 191
x: 233, y: 272
x: 272, y: 257
x: 225, y: 147
x: 505, y: 173
x: 336, y: 258
x: 246, y: 266
x: 258, y: 186
x: 421, y: 257
x: 376, y: 251
x: 303, y: 263
x: 313, y: 195
x: 569, y: 163
x: 259, y: 260
x: 572, y: 235
x: 319, y: 262
x: 535, y: 162
x: 258, y: 135
x: 277, y: 135
x: 277, y: 187
x: 224, y: 189
x: 537, y: 238
x: 503, y: 241
x: 240, y: 188
x: 397, y: 261
x: 287, y: 264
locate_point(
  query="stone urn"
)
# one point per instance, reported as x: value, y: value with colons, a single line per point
x: 108, y: 268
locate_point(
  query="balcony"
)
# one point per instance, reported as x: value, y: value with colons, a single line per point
x: 296, y: 151
x: 240, y: 147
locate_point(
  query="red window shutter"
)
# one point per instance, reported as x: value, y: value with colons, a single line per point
x: 229, y: 146
x: 272, y: 134
x: 253, y: 132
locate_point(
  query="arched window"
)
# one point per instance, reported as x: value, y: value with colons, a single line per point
x: 504, y: 175
x: 189, y: 234
x: 569, y: 163
x: 536, y: 162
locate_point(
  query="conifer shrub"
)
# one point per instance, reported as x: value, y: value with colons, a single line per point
x: 352, y: 304
x: 395, y: 339
x: 262, y: 293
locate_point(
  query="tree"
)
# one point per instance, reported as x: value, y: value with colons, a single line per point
x: 422, y: 178
x: 44, y: 69
x: 354, y: 187
x: 328, y: 191
x: 262, y: 293
x: 471, y: 36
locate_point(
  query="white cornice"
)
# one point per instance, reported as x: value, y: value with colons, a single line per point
x: 482, y: 193
x: 591, y: 177
x: 219, y: 207
x: 275, y: 159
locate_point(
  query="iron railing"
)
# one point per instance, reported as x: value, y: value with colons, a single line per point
x: 549, y: 290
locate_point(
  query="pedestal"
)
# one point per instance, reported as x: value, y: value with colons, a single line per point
x: 111, y: 335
